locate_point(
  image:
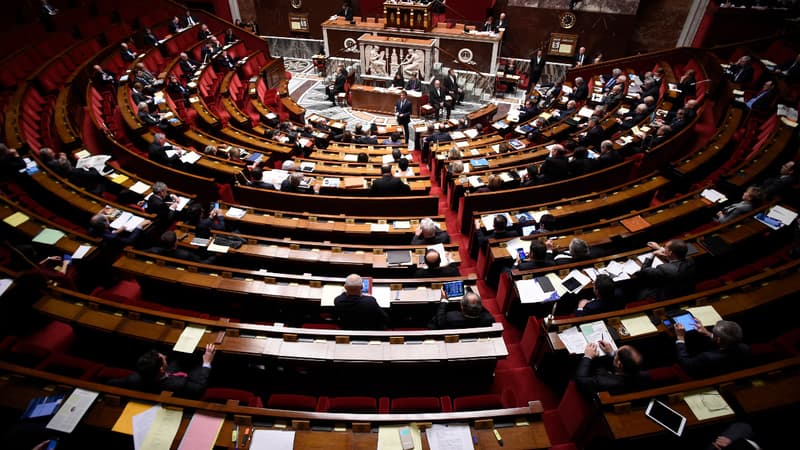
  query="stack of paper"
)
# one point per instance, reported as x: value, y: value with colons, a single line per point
x: 713, y: 196
x: 273, y: 440
x: 537, y: 290
x: 189, y: 338
x: 190, y: 157
x: 449, y: 437
x: 201, y: 434
x: 16, y: 219
x: 213, y: 247
x: 707, y: 315
x: 707, y: 404
x: 73, y: 409
x: 48, y: 236
x: 638, y: 325
x: 126, y: 221
x: 235, y: 213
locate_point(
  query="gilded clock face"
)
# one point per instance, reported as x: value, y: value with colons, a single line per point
x: 296, y: 4
x: 567, y: 20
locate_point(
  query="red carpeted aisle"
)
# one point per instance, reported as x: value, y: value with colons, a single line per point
x: 513, y: 373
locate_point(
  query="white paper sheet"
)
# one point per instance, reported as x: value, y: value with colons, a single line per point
x: 81, y: 251
x: 272, y: 440
x: 189, y: 338
x: 141, y: 425
x: 73, y: 409
x: 449, y: 437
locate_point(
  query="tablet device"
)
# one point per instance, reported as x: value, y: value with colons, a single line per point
x: 665, y: 416
x: 545, y: 284
x: 366, y: 285
x: 454, y: 289
x: 686, y: 319
x: 571, y: 284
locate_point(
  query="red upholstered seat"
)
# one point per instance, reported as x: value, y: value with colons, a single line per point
x: 789, y: 341
x: 322, y: 326
x: 222, y: 395
x: 477, y: 402
x: 662, y: 376
x: 365, y: 405
x: 418, y: 404
x: 571, y: 418
x: 126, y: 291
x: 111, y: 373
x: 56, y: 337
x: 521, y: 355
x: 292, y: 402
x: 70, y: 366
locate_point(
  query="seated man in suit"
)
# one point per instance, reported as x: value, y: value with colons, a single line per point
x: 452, y: 88
x: 578, y: 250
x: 604, y: 298
x: 750, y: 199
x: 775, y: 186
x: 725, y: 350
x: 673, y: 278
x: 161, y: 202
x: 188, y: 66
x: 189, y: 20
x: 388, y: 185
x: 126, y: 53
x: 413, y: 83
x: 257, y: 179
x: 100, y: 226
x: 437, y: 100
x: 103, y: 78
x: 609, y: 155
x: 580, y: 91
x: 168, y: 246
x: 337, y: 85
x: 593, y: 135
x: 150, y: 119
x: 617, y: 372
x: 556, y: 166
x: 203, y: 33
x: 429, y: 234
x: 357, y: 311
x: 158, y: 151
x: 434, y: 269
x: 537, y: 257
x: 154, y: 374
x: 471, y: 314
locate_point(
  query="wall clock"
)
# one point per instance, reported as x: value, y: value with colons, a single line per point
x: 567, y: 20
x: 296, y: 4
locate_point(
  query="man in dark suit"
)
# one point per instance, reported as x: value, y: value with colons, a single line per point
x: 157, y: 151
x: 536, y: 67
x: 434, y: 269
x: 188, y: 66
x: 537, y: 257
x: 488, y: 25
x: 580, y: 91
x: 471, y: 314
x: 100, y: 226
x: 413, y: 83
x: 581, y: 58
x: 403, y: 110
x: 429, y: 234
x: 126, y: 53
x: 204, y: 33
x: 161, y: 202
x: 388, y: 184
x: 437, y: 100
x: 673, y: 278
x: 502, y: 22
x: 617, y: 372
x: 154, y: 374
x: 257, y: 179
x: 742, y: 71
x: 452, y: 88
x: 224, y: 62
x: 604, y: 298
x: 150, y: 119
x: 168, y: 246
x: 357, y: 311
x: 594, y: 134
x: 103, y: 78
x: 346, y: 11
x: 189, y: 20
x: 338, y: 85
x: 149, y: 38
x: 726, y: 352
x: 556, y: 166
x: 174, y: 25
x: 776, y: 186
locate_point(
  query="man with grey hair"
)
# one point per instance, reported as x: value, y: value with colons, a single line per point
x: 729, y: 355
x: 356, y: 310
x: 158, y: 151
x: 470, y: 314
x: 429, y: 233
x: 161, y: 202
x: 581, y: 91
x: 579, y: 250
x: 612, y: 80
x: 148, y: 119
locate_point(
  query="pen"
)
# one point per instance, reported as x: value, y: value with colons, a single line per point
x: 246, y: 436
x: 498, y: 437
x: 235, y: 436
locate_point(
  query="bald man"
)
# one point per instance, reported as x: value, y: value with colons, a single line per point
x: 357, y: 311
x: 616, y: 371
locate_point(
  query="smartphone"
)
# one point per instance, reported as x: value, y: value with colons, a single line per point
x: 521, y: 253
x: 52, y: 444
x: 406, y: 440
x: 667, y: 323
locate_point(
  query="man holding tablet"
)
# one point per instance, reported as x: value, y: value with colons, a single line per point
x: 472, y: 313
x: 728, y: 353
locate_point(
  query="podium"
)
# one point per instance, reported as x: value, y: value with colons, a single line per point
x: 408, y: 15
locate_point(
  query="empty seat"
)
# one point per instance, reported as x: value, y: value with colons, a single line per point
x: 70, y: 366
x: 222, y: 395
x: 364, y: 405
x: 477, y: 402
x: 570, y: 420
x: 292, y: 402
x: 420, y: 404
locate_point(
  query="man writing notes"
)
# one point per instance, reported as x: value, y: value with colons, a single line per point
x: 403, y: 110
x: 357, y: 311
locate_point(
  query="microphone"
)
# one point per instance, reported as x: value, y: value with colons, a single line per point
x: 702, y: 81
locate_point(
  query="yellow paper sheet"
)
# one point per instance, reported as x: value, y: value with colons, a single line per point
x: 706, y: 314
x: 707, y: 404
x: 16, y: 219
x: 389, y: 437
x: 119, y: 178
x: 162, y: 431
x: 189, y: 339
x: 638, y: 324
x: 125, y: 422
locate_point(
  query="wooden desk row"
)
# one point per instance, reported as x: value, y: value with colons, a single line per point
x: 327, y: 227
x: 20, y: 384
x: 255, y: 341
x: 316, y: 257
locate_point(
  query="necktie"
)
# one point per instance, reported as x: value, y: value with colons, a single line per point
x: 178, y: 374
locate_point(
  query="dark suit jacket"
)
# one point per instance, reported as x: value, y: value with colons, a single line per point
x: 581, y: 166
x: 439, y: 272
x: 188, y: 67
x: 582, y: 59
x: 203, y: 35
x: 450, y: 85
x: 388, y: 185
x: 193, y: 385
x: 413, y: 85
x: 127, y: 55
x: 156, y: 205
x: 669, y: 280
x: 158, y: 154
x: 173, y: 27
x: 441, y: 237
x: 593, y: 137
x: 338, y: 84
x: 743, y: 75
x: 445, y: 319
x: 609, y: 158
x: 713, y: 362
x: 536, y: 69
x: 580, y: 93
x: 555, y: 168
x: 150, y: 39
x: 347, y: 13
x: 147, y: 118
x: 597, y: 375
x: 403, y: 109
x: 360, y: 312
x: 436, y: 99
x: 533, y: 264
x: 185, y: 20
